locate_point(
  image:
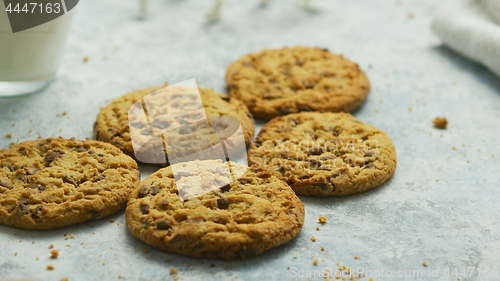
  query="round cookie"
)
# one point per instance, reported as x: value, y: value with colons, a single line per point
x: 244, y: 218
x: 112, y: 124
x: 324, y: 154
x: 55, y: 182
x: 276, y: 82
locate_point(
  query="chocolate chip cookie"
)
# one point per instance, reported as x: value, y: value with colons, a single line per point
x: 324, y: 154
x: 240, y: 218
x: 179, y: 114
x: 276, y: 82
x: 52, y: 183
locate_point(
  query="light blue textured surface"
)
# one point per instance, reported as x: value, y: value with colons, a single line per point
x: 413, y: 218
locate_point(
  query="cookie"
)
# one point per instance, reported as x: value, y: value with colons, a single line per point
x: 52, y: 183
x: 249, y: 215
x: 172, y: 113
x: 324, y: 154
x: 276, y: 82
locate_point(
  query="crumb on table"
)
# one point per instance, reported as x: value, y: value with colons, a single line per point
x: 356, y: 257
x: 425, y: 263
x: 313, y: 239
x: 9, y: 135
x: 51, y: 246
x: 54, y: 254
x: 322, y: 219
x: 50, y: 267
x: 315, y: 262
x: 440, y: 122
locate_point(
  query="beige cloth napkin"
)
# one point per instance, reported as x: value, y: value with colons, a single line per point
x: 472, y: 28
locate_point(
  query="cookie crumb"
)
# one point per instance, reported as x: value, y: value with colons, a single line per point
x: 65, y: 279
x: 51, y: 246
x: 317, y: 228
x: 322, y: 219
x: 36, y: 259
x: 145, y: 250
x: 72, y: 236
x: 313, y: 239
x: 54, y: 254
x: 315, y: 262
x: 85, y: 59
x: 425, y: 263
x: 173, y: 271
x: 15, y: 254
x: 411, y: 16
x: 440, y: 122
x: 50, y: 267
x: 322, y: 248
x: 356, y: 257
x: 9, y: 135
x: 111, y: 220
x: 454, y: 148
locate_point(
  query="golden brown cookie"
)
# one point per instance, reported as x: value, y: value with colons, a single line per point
x: 324, y: 154
x: 276, y: 82
x: 246, y: 217
x: 174, y: 113
x: 52, y: 183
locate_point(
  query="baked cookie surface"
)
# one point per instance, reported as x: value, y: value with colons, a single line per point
x: 324, y: 154
x: 172, y: 113
x: 52, y: 183
x: 243, y: 218
x: 276, y: 82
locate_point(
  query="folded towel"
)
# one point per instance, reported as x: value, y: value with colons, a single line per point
x: 472, y: 28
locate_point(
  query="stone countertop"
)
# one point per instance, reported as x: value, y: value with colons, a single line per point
x: 441, y: 206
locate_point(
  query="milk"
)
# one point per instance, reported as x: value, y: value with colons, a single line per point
x: 31, y: 55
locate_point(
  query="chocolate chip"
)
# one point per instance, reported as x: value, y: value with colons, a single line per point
x: 285, y: 110
x: 155, y: 189
x: 164, y: 224
x: 22, y: 178
x: 144, y: 209
x: 31, y: 170
x: 317, y: 150
x: 199, y: 246
x: 116, y: 142
x: 143, y: 192
x: 80, y: 149
x: 70, y: 180
x: 249, y: 251
x: 95, y: 214
x: 303, y: 177
x: 323, y: 185
x: 323, y: 168
x: 99, y: 178
x: 181, y: 174
x: 309, y: 84
x: 281, y: 170
x: 226, y: 187
x: 21, y: 205
x: 6, y: 184
x: 314, y: 162
x: 369, y: 154
x: 91, y: 152
x: 8, y: 166
x: 222, y: 203
x: 37, y: 213
x: 185, y: 129
x: 59, y: 151
x: 369, y: 166
x: 226, y: 98
x: 40, y: 187
x: 289, y: 182
x: 175, y: 240
x: 183, y: 121
x: 114, y: 132
x: 51, y: 156
x: 304, y: 108
x: 327, y: 157
x: 264, y: 175
x: 249, y: 114
x: 244, y: 181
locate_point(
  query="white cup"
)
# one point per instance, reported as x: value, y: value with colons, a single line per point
x: 29, y: 58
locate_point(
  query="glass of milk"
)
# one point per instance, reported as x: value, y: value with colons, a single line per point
x: 29, y: 58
